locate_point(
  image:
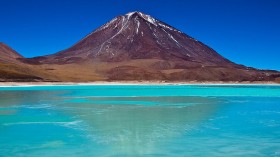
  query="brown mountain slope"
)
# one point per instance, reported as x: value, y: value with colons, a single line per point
x: 11, y: 69
x: 136, y: 46
x: 8, y: 55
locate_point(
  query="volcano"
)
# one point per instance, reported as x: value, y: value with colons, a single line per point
x: 139, y: 47
x: 138, y: 36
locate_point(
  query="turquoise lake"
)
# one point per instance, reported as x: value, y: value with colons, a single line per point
x: 140, y: 120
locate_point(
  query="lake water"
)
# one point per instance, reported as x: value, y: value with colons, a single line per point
x: 140, y: 120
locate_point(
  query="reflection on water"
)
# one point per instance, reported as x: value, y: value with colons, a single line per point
x: 92, y: 121
x: 10, y: 101
x: 137, y: 125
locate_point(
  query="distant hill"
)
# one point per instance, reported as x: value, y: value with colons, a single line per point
x: 11, y: 69
x: 8, y: 55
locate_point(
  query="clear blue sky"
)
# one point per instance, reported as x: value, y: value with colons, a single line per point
x: 244, y: 31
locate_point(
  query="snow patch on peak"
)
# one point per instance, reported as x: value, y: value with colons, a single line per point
x: 149, y: 18
x: 168, y: 27
x: 144, y: 16
x: 138, y: 25
x: 165, y: 26
x: 130, y: 14
x: 133, y: 12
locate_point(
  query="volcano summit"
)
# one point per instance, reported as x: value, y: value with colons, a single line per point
x: 138, y: 47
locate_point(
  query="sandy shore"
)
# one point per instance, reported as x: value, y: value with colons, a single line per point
x: 131, y: 83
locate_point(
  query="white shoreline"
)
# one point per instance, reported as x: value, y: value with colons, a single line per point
x: 129, y: 83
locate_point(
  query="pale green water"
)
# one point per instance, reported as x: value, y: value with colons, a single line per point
x: 190, y: 120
